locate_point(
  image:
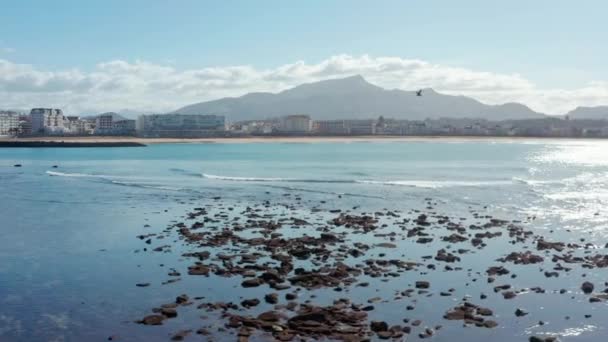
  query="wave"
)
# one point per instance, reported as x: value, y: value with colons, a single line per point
x: 535, y: 181
x: 586, y: 178
x: 147, y: 186
x: 185, y: 172
x: 109, y: 180
x: 65, y: 174
x: 275, y: 179
x: 410, y: 183
x: 435, y: 184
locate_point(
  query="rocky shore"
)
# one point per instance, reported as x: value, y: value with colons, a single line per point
x: 59, y: 143
x: 302, y: 272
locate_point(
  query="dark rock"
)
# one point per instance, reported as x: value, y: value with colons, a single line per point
x: 377, y: 326
x: 421, y: 284
x: 587, y: 287
x: 250, y: 302
x: 152, y: 320
x: 254, y: 282
x: 272, y: 298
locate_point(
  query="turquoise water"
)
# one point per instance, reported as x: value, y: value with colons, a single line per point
x: 70, y: 258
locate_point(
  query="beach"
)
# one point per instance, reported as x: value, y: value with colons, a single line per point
x: 285, y: 139
x: 424, y: 240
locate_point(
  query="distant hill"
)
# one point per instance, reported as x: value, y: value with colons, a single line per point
x: 355, y: 98
x: 115, y: 116
x: 596, y: 113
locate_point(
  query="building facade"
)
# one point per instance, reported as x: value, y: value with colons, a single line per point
x: 180, y: 125
x: 47, y: 120
x: 9, y: 123
x: 296, y: 124
x: 104, y: 124
x: 331, y: 127
x: 123, y: 127
x: 25, y: 125
x: 361, y: 127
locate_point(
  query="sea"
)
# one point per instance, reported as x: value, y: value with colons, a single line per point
x: 70, y: 217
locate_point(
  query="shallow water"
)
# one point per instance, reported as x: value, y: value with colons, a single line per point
x: 70, y: 257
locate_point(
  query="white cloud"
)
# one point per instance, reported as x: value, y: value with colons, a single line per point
x: 145, y: 86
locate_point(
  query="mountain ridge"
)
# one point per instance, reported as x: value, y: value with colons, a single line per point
x: 582, y: 112
x: 354, y: 97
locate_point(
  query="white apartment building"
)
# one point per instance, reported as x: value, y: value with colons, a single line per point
x: 47, y: 120
x: 9, y: 123
x: 296, y: 124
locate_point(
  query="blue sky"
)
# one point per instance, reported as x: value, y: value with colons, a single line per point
x: 553, y: 44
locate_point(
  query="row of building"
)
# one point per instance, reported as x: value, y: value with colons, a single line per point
x: 50, y: 121
x: 304, y: 125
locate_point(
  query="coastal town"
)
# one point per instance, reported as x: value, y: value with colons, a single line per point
x: 52, y: 122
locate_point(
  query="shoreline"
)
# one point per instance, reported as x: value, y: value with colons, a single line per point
x: 68, y: 144
x: 99, y: 141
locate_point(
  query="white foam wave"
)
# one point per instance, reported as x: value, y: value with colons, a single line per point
x: 248, y: 179
x: 412, y: 183
x: 435, y: 184
x: 65, y: 174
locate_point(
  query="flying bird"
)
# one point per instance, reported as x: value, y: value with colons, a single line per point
x: 419, y: 92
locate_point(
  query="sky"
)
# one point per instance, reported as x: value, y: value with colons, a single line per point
x: 152, y: 55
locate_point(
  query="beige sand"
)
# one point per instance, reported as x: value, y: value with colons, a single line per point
x: 341, y: 139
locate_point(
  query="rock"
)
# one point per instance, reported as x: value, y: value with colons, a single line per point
x: 509, y: 295
x: 386, y: 245
x: 180, y: 335
x: 168, y: 312
x: 484, y: 312
x: 384, y: 335
x: 542, y: 339
x: 329, y: 237
x: 269, y: 316
x: 522, y: 258
x: 250, y: 302
x: 520, y: 312
x: 203, y: 331
x: 587, y: 287
x: 490, y: 324
x: 542, y: 245
x: 271, y: 276
x: 198, y: 269
x: 254, y: 282
x: 272, y: 298
x: 497, y: 270
x: 181, y: 299
x: 421, y: 284
x: 152, y: 320
x: 377, y: 326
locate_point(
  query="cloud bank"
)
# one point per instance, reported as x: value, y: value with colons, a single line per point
x: 144, y: 86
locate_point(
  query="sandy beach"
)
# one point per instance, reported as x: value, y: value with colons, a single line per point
x: 278, y: 139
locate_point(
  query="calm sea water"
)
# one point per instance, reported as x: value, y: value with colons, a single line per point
x: 70, y: 259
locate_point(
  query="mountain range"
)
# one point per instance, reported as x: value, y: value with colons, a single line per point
x: 593, y: 113
x: 355, y: 98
